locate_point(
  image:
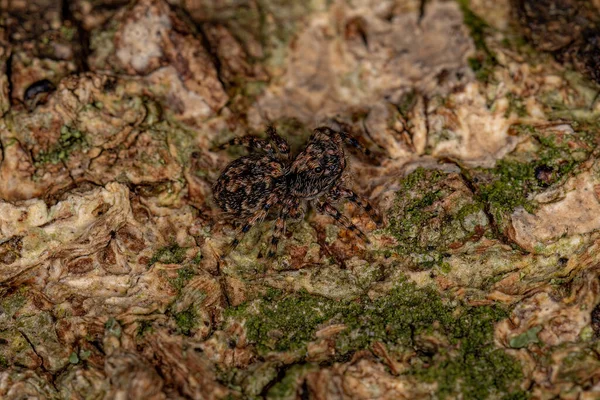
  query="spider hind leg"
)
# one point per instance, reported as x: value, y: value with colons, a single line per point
x: 341, y: 220
x: 250, y: 222
x: 343, y: 193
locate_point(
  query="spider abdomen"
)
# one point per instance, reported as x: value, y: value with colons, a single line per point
x: 247, y: 183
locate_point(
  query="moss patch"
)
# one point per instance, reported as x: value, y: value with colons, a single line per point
x: 465, y: 359
x: 171, y: 254
x: 515, y: 179
x: 186, y: 320
x: 287, y: 388
x: 484, y: 61
x: 184, y: 274
x: 70, y: 140
x: 434, y: 212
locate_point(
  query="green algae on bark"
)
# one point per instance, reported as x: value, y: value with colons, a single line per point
x: 434, y: 212
x: 485, y: 60
x: 186, y: 320
x: 464, y: 360
x: 70, y: 140
x: 171, y: 254
x: 524, y: 173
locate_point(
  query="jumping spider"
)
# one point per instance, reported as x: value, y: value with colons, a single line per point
x: 254, y: 185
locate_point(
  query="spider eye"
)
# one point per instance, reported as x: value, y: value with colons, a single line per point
x: 318, y: 169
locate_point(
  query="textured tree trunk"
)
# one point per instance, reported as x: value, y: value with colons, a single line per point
x: 481, y: 121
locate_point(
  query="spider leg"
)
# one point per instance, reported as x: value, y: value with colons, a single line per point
x: 341, y: 136
x: 249, y: 141
x: 349, y: 140
x: 282, y: 145
x: 291, y: 209
x: 340, y: 219
x: 278, y: 231
x: 340, y: 192
x: 253, y: 220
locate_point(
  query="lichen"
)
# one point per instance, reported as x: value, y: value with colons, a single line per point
x: 10, y: 304
x: 524, y: 339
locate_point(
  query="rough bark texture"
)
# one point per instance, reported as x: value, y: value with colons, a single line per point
x: 483, y: 120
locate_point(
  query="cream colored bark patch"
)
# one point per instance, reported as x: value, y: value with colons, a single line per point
x: 142, y: 41
x: 78, y: 226
x: 575, y: 213
x: 468, y: 130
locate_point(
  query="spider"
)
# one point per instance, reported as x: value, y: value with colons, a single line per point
x: 267, y: 180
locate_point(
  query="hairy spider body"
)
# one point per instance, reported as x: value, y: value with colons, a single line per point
x: 253, y: 186
x: 245, y: 185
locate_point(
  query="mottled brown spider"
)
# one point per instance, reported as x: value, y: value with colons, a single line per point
x: 267, y: 181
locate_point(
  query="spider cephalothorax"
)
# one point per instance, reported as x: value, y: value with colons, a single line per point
x: 266, y: 182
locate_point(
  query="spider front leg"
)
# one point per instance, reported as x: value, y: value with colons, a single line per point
x: 282, y: 145
x: 339, y: 192
x: 340, y: 137
x: 252, y: 142
x: 349, y: 140
x: 340, y: 219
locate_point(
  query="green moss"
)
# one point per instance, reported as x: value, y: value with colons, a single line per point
x: 287, y: 388
x: 419, y: 175
x: 425, y: 227
x: 466, y: 362
x: 478, y: 369
x: 68, y: 32
x: 184, y: 274
x: 515, y: 106
x: 485, y: 60
x: 171, y: 254
x: 3, y: 362
x: 70, y: 140
x: 407, y: 102
x: 281, y: 324
x: 513, y: 181
x: 197, y: 258
x: 186, y: 320
x: 482, y: 67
